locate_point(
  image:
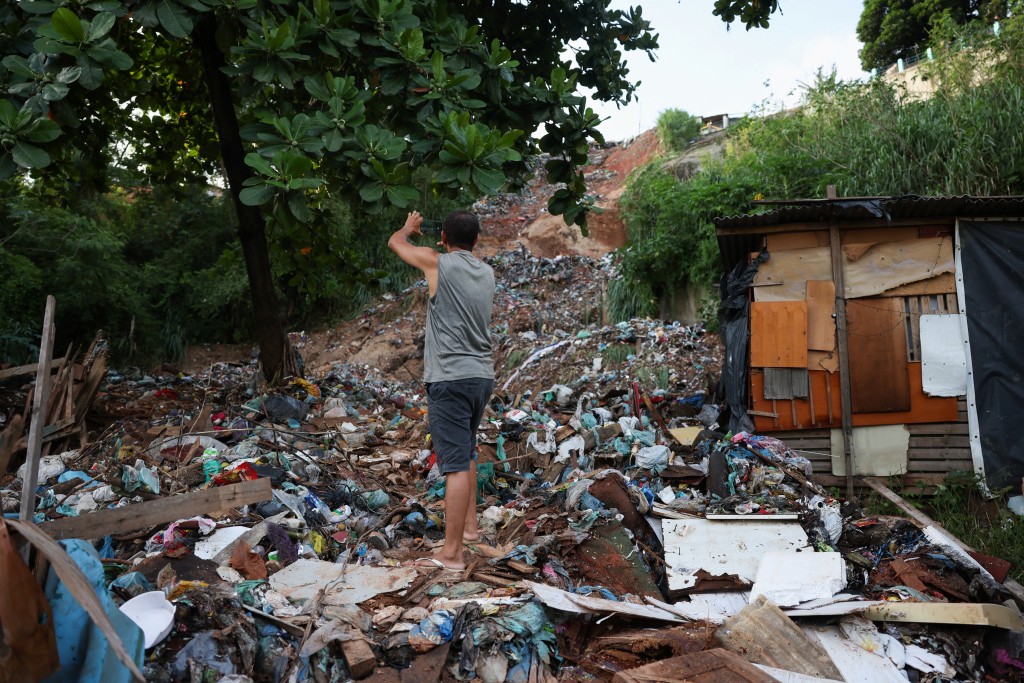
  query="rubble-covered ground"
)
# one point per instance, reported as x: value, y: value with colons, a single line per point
x: 624, y: 533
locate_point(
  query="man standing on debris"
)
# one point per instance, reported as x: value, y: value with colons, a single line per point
x: 458, y: 369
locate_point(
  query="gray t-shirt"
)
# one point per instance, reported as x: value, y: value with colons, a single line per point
x: 458, y: 339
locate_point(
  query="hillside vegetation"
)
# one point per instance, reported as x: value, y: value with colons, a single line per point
x: 867, y: 139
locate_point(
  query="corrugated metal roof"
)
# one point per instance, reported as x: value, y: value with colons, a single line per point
x: 882, y: 208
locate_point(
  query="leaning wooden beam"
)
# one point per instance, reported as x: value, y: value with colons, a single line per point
x: 27, y: 369
x: 1012, y: 587
x: 35, y: 428
x: 144, y: 515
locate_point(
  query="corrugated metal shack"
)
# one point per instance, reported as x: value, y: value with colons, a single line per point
x: 919, y: 328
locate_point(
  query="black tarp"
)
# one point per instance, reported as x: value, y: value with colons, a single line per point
x: 734, y: 321
x: 992, y: 266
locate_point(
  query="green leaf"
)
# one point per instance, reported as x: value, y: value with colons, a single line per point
x: 68, y: 25
x: 174, y: 19
x: 298, y: 207
x: 29, y: 156
x: 54, y: 91
x: 43, y: 130
x: 259, y: 164
x: 100, y: 26
x: 488, y: 180
x: 8, y: 113
x: 372, y: 192
x: 256, y: 196
x: 19, y: 66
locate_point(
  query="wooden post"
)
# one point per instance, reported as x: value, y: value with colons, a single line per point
x: 35, y: 430
x: 845, y: 392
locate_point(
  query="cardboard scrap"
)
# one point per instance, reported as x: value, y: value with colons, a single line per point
x: 343, y: 584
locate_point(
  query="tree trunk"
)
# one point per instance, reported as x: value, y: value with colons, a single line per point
x: 252, y: 232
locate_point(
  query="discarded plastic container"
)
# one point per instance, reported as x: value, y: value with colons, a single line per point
x: 153, y: 613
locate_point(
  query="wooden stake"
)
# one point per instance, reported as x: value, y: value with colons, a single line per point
x: 845, y: 391
x: 35, y: 430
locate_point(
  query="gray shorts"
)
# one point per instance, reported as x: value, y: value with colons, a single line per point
x: 454, y: 410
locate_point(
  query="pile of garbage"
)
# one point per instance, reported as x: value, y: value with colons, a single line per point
x: 240, y: 534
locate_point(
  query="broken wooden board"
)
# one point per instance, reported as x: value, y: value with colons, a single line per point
x: 940, y: 284
x: 151, y: 513
x: 884, y: 266
x: 960, y: 613
x: 709, y: 666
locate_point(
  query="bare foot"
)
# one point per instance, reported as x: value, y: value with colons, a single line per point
x: 435, y: 563
x: 471, y: 537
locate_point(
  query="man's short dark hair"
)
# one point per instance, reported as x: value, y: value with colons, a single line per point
x: 461, y: 228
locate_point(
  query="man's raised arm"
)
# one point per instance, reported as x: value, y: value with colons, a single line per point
x: 423, y: 258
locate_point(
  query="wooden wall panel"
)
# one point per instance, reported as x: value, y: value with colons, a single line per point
x: 821, y: 306
x: 778, y: 334
x: 879, y: 380
x: 784, y: 241
x: 933, y: 413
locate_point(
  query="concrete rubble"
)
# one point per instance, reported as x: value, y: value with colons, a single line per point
x: 625, y: 535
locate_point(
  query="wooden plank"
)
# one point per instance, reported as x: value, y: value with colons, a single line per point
x: 708, y: 666
x: 957, y: 428
x: 843, y: 346
x: 821, y: 307
x: 795, y: 240
x: 879, y: 234
x: 35, y: 429
x: 923, y: 520
x: 879, y: 380
x: 940, y: 284
x: 912, y: 308
x: 961, y: 465
x: 823, y: 360
x: 151, y: 513
x: 56, y: 363
x: 778, y: 334
x: 947, y: 441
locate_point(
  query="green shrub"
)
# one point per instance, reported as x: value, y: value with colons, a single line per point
x: 676, y: 129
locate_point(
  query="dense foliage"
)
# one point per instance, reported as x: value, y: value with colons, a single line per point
x: 866, y: 139
x: 891, y: 29
x: 299, y: 104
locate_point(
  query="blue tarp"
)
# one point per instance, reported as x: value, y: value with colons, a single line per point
x: 85, y: 655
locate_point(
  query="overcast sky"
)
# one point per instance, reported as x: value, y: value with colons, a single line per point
x: 705, y: 69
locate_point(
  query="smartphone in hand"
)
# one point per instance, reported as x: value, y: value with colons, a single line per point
x: 430, y: 227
